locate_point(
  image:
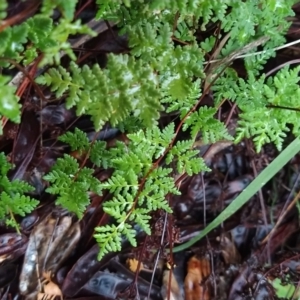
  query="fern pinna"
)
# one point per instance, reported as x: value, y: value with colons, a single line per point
x: 126, y: 86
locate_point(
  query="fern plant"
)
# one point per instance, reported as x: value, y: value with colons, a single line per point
x: 166, y: 70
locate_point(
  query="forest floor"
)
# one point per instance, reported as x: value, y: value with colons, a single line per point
x: 251, y: 256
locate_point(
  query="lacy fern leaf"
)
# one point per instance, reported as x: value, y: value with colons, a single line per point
x: 112, y: 94
x: 12, y: 198
x: 132, y: 200
x: 188, y: 160
x: 99, y: 155
x: 258, y: 98
x: 77, y: 140
x: 109, y: 238
x: 203, y: 121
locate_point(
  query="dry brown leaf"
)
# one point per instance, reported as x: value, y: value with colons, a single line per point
x: 197, y: 271
x: 50, y: 289
x: 133, y: 263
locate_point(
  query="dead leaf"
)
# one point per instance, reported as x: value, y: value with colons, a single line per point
x: 198, y: 269
x: 133, y: 263
x: 50, y: 289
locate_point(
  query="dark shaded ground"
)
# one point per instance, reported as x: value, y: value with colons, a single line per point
x: 237, y: 261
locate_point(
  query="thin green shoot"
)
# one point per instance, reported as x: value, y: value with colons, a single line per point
x: 277, y: 164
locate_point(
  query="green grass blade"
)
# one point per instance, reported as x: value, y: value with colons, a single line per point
x: 284, y: 157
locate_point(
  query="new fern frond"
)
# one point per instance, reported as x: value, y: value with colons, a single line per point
x: 77, y: 140
x: 187, y: 160
x: 12, y: 198
x: 135, y: 184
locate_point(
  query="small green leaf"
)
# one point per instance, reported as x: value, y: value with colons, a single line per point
x: 9, y: 106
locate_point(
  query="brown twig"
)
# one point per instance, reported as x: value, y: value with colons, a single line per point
x: 21, y: 16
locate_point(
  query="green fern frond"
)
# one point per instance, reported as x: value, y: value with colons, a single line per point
x: 18, y: 186
x: 157, y: 186
x: 39, y: 29
x: 185, y: 103
x: 59, y: 80
x: 5, y: 166
x: 119, y: 206
x: 12, y: 198
x: 18, y: 204
x: 132, y: 203
x: 109, y: 239
x: 111, y: 94
x: 188, y: 160
x: 118, y: 184
x: 254, y: 95
x: 13, y: 40
x: 99, y: 155
x: 43, y: 34
x: 141, y: 217
x: 184, y: 33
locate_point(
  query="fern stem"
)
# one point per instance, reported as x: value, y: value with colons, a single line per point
x: 14, y: 220
x: 87, y: 155
x: 158, y: 161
